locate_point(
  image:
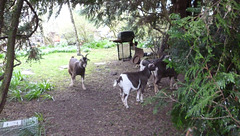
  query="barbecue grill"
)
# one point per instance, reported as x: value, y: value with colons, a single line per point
x: 124, y: 42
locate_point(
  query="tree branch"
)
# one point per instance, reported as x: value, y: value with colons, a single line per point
x: 208, y: 118
x: 1, y: 77
x: 36, y: 16
x: 224, y: 99
x: 19, y: 63
x: 174, y: 100
x: 19, y: 36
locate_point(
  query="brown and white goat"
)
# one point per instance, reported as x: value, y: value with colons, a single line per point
x: 77, y: 67
x: 132, y: 81
x: 160, y: 71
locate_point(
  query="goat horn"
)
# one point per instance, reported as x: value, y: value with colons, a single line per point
x: 86, y: 55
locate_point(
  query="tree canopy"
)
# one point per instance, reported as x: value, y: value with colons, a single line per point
x: 139, y: 14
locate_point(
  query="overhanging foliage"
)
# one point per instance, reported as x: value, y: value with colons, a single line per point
x: 206, y: 49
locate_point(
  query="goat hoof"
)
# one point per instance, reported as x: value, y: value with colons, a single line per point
x: 83, y: 87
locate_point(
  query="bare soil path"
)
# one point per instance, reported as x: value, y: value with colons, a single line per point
x: 97, y: 111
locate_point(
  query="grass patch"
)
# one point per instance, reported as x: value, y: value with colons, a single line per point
x: 49, y: 68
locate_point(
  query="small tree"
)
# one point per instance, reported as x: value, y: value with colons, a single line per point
x: 74, y: 28
x: 15, y: 35
x: 10, y: 52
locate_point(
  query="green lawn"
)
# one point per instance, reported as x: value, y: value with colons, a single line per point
x: 49, y: 67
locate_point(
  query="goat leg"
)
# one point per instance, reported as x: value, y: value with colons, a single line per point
x: 141, y: 97
x: 138, y: 94
x: 156, y: 81
x: 83, y: 86
x: 142, y: 91
x: 171, y: 83
x: 122, y: 98
x: 125, y: 101
x: 141, y: 94
x: 155, y: 84
x: 155, y: 88
x: 125, y: 97
x: 72, y: 80
x: 121, y: 91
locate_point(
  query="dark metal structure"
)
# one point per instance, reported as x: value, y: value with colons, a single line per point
x: 124, y: 42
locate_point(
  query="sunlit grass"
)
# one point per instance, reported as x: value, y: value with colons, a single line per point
x: 49, y: 68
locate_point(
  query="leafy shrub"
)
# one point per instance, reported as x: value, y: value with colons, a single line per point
x: 59, y: 49
x: 2, y: 56
x: 33, y: 94
x: 148, y: 43
x: 99, y: 44
x: 41, y: 126
x: 208, y: 54
x: 37, y: 90
x: 85, y: 49
x: 47, y: 96
x: 143, y: 44
x: 21, y: 88
x: 15, y: 95
x: 45, y: 86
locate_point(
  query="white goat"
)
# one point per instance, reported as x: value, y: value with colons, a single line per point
x: 132, y: 81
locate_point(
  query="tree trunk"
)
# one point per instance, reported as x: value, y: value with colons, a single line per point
x: 2, y: 5
x: 42, y: 34
x: 10, y: 53
x: 180, y: 6
x: 75, y: 29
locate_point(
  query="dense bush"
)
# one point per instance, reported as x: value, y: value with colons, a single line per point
x: 206, y: 49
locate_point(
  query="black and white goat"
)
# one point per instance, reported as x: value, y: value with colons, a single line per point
x: 160, y: 71
x: 132, y: 81
x: 77, y: 67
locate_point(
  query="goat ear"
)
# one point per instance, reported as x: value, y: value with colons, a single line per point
x: 151, y: 65
x: 88, y: 59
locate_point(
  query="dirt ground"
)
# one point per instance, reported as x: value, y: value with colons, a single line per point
x: 97, y: 111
